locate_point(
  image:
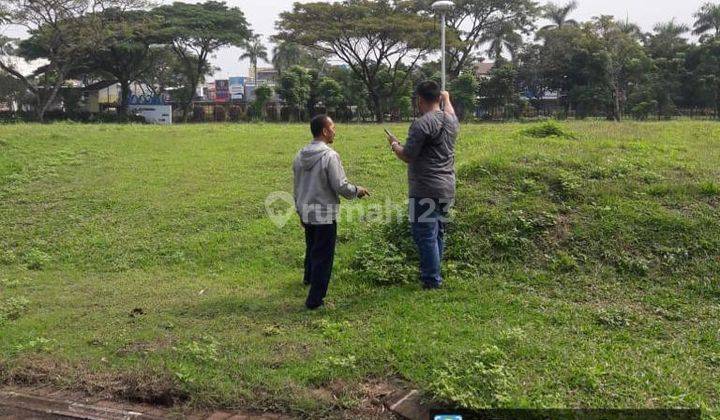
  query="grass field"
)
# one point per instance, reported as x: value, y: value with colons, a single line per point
x: 138, y: 261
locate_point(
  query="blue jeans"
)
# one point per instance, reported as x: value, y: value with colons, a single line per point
x: 427, y: 223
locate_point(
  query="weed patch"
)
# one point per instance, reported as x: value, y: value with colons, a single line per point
x: 548, y: 129
x: 479, y: 379
x: 12, y: 308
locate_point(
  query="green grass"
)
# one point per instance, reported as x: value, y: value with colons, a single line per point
x: 582, y: 272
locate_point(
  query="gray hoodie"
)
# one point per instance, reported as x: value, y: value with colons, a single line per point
x: 319, y: 181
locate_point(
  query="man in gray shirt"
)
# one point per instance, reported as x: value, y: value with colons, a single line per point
x: 319, y: 181
x: 430, y: 155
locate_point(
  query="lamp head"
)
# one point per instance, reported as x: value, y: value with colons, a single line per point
x: 443, y: 6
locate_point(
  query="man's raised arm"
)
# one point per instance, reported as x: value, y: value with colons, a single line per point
x: 446, y: 103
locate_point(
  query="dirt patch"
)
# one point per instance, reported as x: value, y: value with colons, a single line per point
x: 366, y: 399
x: 147, y: 385
x: 562, y: 228
x: 156, y: 388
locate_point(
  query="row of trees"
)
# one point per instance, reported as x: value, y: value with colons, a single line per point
x: 166, y: 47
x: 365, y: 55
x: 611, y: 67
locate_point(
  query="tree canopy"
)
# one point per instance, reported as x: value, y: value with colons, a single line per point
x: 383, y: 34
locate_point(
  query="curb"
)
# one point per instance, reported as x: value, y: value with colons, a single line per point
x: 408, y: 405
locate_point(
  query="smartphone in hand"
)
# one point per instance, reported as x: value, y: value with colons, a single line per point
x: 389, y: 133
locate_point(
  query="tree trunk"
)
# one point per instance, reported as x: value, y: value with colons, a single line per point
x: 616, y: 110
x: 377, y: 108
x: 193, y: 87
x: 188, y: 103
x: 49, y: 101
x: 124, y: 99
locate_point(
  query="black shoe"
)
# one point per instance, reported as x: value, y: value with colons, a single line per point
x: 313, y: 307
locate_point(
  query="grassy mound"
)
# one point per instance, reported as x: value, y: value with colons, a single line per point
x: 562, y: 216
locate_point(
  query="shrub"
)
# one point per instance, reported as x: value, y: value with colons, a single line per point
x: 643, y: 110
x: 388, y: 256
x: 548, y: 129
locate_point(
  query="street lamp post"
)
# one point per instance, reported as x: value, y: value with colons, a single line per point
x: 442, y: 6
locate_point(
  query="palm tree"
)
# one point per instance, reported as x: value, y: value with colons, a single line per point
x: 255, y: 50
x: 285, y: 55
x: 503, y: 37
x: 631, y: 29
x: 707, y: 19
x: 667, y: 38
x: 558, y: 15
x: 670, y: 29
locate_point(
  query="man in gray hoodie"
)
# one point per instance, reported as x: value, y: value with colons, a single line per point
x: 319, y: 182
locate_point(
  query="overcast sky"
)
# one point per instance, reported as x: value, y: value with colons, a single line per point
x: 262, y: 15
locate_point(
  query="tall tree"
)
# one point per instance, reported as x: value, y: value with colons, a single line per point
x: 473, y: 22
x: 195, y: 32
x: 294, y: 89
x: 707, y: 71
x: 60, y: 33
x: 366, y: 35
x: 500, y: 91
x: 558, y: 15
x: 287, y: 54
x: 126, y: 54
x: 255, y: 50
x: 163, y: 72
x: 330, y: 93
x: 666, y: 39
x: 707, y: 19
x: 503, y: 38
x: 667, y: 47
x: 355, y: 97
x: 562, y: 60
x: 464, y: 94
x: 262, y: 93
x: 631, y: 29
x: 531, y: 80
x: 626, y: 62
x: 11, y: 89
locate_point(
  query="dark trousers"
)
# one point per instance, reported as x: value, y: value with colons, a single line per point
x: 319, y: 255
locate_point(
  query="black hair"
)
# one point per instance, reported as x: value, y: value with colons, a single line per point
x: 318, y: 123
x: 428, y: 90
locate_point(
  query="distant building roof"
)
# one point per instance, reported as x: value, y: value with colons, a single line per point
x: 99, y: 85
x: 483, y: 69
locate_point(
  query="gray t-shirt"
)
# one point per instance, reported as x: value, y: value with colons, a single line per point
x: 431, y: 149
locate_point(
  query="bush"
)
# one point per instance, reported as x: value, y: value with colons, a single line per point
x: 388, y: 256
x: 198, y: 114
x: 235, y: 113
x: 219, y: 114
x: 643, y: 110
x: 548, y: 129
